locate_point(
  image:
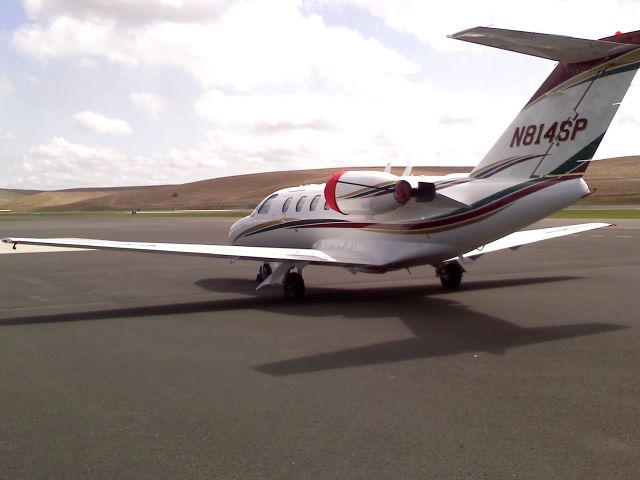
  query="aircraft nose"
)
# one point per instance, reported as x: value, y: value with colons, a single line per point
x: 236, y: 229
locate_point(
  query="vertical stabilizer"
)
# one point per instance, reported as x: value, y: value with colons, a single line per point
x: 560, y: 128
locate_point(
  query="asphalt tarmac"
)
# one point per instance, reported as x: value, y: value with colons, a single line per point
x: 125, y: 365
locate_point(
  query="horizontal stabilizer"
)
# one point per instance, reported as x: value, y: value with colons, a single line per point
x: 518, y: 239
x: 553, y: 47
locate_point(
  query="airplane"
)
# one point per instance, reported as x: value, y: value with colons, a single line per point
x: 375, y: 221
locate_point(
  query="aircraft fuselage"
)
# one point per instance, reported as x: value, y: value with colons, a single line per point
x: 414, y: 233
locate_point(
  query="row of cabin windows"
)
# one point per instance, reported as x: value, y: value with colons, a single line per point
x: 266, y: 205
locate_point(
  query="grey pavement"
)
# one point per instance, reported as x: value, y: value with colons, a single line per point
x: 125, y: 365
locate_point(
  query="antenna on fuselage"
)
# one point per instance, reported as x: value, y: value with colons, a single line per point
x: 407, y: 169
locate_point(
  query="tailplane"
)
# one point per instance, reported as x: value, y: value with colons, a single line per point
x: 560, y: 128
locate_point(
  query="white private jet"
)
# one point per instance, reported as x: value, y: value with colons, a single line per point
x: 369, y: 221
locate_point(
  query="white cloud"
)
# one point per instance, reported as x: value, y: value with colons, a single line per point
x: 67, y: 36
x: 419, y: 18
x: 7, y: 136
x: 127, y: 11
x: 6, y: 87
x: 86, y: 63
x: 97, y: 123
x: 302, y: 130
x: 255, y: 44
x: 280, y: 88
x: 60, y: 163
x: 61, y: 150
x: 149, y: 103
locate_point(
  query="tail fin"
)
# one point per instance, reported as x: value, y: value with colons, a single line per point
x: 560, y: 128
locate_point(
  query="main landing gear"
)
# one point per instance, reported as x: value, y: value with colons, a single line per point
x: 292, y: 281
x: 263, y: 272
x: 450, y: 274
x: 293, y: 286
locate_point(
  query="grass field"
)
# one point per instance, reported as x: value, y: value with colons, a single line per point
x: 609, y: 213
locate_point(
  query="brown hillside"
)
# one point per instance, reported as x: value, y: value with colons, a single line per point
x: 617, y: 181
x: 9, y: 195
x: 242, y: 191
x: 57, y: 200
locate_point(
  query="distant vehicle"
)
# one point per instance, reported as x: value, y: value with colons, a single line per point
x: 374, y: 222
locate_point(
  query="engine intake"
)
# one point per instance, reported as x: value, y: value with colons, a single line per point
x: 366, y: 192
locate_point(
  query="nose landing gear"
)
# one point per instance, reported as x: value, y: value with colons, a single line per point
x: 263, y: 272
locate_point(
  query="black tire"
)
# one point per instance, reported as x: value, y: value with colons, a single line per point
x: 294, y: 286
x: 450, y: 275
x: 263, y: 272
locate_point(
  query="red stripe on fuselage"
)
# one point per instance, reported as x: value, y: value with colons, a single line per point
x: 451, y: 221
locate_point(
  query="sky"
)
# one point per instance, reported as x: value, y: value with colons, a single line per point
x: 141, y: 92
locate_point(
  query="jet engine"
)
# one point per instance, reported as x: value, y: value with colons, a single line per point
x: 366, y: 192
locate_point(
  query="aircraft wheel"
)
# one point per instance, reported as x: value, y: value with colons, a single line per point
x: 263, y: 272
x: 294, y: 286
x: 450, y: 275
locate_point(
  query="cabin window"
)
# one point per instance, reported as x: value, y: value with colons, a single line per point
x: 286, y: 204
x: 314, y: 202
x: 300, y: 203
x: 266, y: 205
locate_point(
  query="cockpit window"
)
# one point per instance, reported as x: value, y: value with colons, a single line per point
x: 286, y: 204
x: 264, y: 208
x: 300, y: 203
x: 326, y: 205
x: 314, y: 202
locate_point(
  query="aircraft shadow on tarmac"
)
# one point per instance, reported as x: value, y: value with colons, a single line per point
x: 440, y: 326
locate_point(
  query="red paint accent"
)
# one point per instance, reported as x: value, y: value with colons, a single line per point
x: 402, y: 192
x: 338, y: 225
x: 330, y: 191
x: 581, y: 168
x: 565, y: 71
x: 589, y: 193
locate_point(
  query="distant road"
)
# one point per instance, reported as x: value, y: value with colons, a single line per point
x: 603, y: 207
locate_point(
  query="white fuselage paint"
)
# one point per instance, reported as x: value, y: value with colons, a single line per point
x: 400, y: 249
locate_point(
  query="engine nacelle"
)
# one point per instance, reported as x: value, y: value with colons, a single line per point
x: 366, y: 192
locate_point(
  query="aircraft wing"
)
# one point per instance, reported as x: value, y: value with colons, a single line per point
x: 266, y: 254
x: 518, y: 239
x: 291, y: 255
